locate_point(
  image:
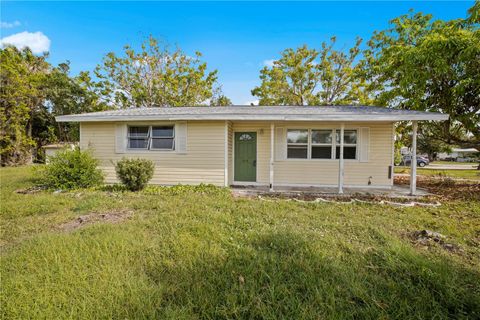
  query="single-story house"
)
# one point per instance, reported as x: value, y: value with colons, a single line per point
x: 324, y: 146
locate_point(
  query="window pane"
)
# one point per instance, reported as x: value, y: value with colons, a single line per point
x: 297, y: 152
x: 348, y: 153
x: 138, y: 131
x: 297, y: 136
x: 135, y: 143
x: 349, y: 136
x: 321, y: 136
x: 321, y: 152
x: 162, y: 131
x: 162, y: 143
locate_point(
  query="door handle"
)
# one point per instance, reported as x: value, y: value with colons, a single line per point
x: 254, y: 163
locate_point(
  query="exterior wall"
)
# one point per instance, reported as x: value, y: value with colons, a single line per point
x: 204, y: 160
x: 322, y: 172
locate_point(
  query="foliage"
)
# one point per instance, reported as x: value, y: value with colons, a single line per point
x: 196, y: 255
x: 310, y: 77
x: 134, y: 173
x: 21, y: 95
x: 70, y: 169
x: 32, y: 93
x: 155, y: 76
x: 421, y: 64
x: 220, y: 101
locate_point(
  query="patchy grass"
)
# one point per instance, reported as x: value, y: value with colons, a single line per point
x: 199, y: 253
x: 472, y: 174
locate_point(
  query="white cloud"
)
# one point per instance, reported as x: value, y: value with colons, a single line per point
x: 268, y: 63
x: 253, y: 102
x: 8, y: 25
x: 36, y: 41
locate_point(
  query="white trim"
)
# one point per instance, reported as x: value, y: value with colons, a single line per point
x: 413, y: 161
x: 272, y: 137
x: 226, y: 155
x: 256, y: 153
x: 341, y: 162
x: 392, y: 174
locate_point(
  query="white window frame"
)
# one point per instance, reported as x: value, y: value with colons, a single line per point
x: 160, y: 138
x: 333, y: 144
x: 307, y: 144
x: 334, y: 154
x: 150, y: 137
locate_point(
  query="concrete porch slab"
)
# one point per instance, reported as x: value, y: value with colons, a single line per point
x: 397, y: 191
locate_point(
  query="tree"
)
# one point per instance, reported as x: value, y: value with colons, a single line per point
x: 21, y: 96
x: 420, y: 64
x: 310, y: 77
x: 220, y: 101
x: 154, y: 76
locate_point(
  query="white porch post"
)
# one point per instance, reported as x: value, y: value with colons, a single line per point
x: 341, y: 162
x: 413, y: 162
x: 226, y: 155
x: 272, y: 137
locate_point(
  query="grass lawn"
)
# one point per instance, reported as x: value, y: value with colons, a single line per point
x: 472, y: 174
x: 189, y: 253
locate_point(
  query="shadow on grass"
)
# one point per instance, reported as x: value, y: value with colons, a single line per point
x: 282, y: 275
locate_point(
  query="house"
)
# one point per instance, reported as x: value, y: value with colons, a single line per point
x: 52, y: 149
x: 274, y: 146
x: 460, y: 155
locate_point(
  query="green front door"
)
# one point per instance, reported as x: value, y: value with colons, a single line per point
x: 245, y: 156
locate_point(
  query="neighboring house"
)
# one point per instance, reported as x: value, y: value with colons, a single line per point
x: 52, y: 149
x: 251, y: 145
x: 460, y: 155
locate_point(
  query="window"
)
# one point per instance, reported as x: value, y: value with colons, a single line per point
x: 349, y: 144
x: 163, y: 138
x: 297, y: 144
x: 151, y: 137
x: 322, y: 144
x: 138, y: 137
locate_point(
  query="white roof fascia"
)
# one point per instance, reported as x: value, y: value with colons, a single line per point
x: 260, y: 117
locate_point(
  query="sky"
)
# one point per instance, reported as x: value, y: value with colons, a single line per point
x: 236, y: 38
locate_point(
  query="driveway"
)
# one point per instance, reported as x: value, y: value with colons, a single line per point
x: 452, y: 166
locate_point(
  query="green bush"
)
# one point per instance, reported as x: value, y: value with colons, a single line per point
x: 134, y: 173
x: 71, y: 169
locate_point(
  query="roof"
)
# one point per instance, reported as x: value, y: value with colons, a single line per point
x: 464, y: 150
x: 269, y: 113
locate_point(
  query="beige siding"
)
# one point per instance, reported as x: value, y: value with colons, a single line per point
x: 230, y: 152
x: 204, y: 160
x: 324, y: 172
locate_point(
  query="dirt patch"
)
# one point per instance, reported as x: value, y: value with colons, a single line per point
x: 31, y: 190
x: 445, y: 187
x: 427, y: 239
x: 105, y: 217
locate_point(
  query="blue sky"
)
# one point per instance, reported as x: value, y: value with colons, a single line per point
x: 235, y: 38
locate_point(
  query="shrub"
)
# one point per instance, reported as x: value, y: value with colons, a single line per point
x: 71, y: 169
x: 134, y: 173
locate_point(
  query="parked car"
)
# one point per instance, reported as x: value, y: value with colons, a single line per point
x: 421, y: 161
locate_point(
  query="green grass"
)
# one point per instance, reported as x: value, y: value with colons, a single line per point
x: 454, y: 173
x: 187, y: 254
